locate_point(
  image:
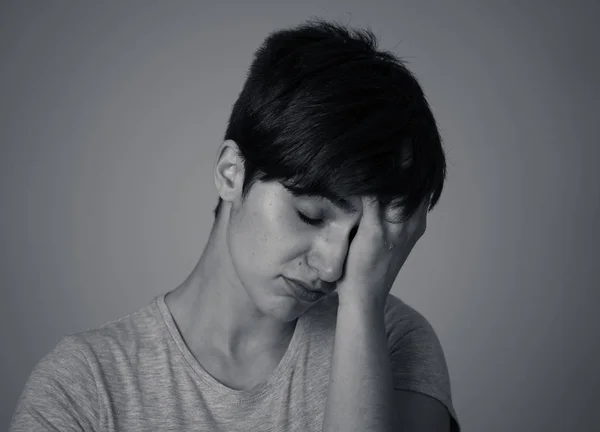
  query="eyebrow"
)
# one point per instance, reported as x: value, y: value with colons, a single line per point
x: 335, y: 200
x: 344, y: 204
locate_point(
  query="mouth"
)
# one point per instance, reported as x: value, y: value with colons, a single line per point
x: 325, y: 290
x: 304, y: 291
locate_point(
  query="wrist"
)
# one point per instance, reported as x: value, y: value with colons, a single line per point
x: 362, y: 303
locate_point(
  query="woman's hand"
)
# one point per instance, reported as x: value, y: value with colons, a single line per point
x: 377, y: 253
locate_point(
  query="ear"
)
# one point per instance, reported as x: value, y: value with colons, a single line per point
x: 229, y: 172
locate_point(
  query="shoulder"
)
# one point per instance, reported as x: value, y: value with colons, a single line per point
x: 66, y: 385
x: 66, y: 361
x: 416, y: 353
x: 406, y: 328
x: 415, y: 349
x: 400, y: 316
x: 60, y: 392
x: 125, y: 333
x: 413, y: 340
x: 78, y: 354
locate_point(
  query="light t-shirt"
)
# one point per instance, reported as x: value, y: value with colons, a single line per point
x: 137, y: 374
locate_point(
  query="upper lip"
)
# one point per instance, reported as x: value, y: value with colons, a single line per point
x: 309, y: 286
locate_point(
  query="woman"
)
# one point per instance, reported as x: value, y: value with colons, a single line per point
x: 330, y: 162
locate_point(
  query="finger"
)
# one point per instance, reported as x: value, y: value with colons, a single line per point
x: 371, y: 213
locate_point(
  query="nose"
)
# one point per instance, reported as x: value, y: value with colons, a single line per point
x: 328, y: 258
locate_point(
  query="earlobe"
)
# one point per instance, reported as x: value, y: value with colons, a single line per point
x: 229, y: 171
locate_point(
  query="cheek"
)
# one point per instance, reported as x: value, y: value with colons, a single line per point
x: 258, y: 243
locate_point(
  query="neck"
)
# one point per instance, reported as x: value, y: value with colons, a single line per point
x: 213, y: 310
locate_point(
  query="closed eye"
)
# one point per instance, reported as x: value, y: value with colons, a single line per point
x: 310, y: 221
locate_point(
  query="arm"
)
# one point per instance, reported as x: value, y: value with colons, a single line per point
x: 361, y: 396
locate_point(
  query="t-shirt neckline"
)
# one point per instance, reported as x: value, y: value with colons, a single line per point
x: 257, y: 391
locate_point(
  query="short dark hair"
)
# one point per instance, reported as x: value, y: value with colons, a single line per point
x: 324, y: 112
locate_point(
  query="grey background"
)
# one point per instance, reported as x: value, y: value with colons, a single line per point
x: 111, y: 113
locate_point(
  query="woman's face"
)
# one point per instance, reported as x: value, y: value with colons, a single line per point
x: 273, y: 236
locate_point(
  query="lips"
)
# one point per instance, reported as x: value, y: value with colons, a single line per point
x: 301, y: 293
x: 308, y: 286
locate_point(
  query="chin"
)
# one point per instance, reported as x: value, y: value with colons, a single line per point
x: 291, y: 311
x: 284, y: 308
x: 279, y: 304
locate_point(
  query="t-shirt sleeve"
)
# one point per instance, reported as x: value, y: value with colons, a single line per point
x: 417, y: 357
x: 60, y: 393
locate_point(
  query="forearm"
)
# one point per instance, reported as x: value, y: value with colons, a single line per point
x: 360, y: 384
